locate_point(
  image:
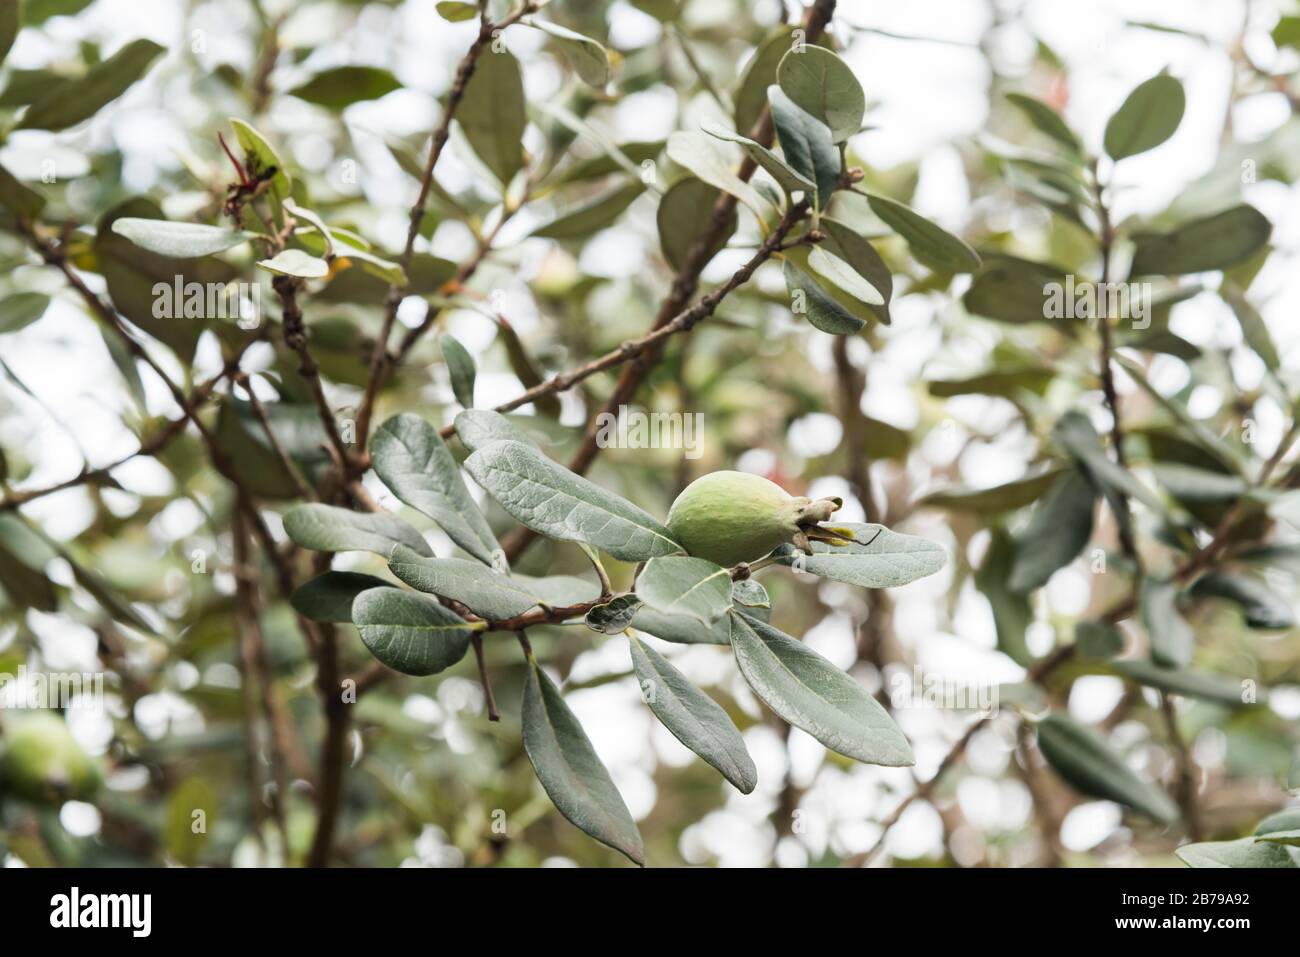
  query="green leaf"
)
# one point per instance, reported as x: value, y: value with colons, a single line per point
x: 570, y: 770
x: 999, y: 498
x: 555, y: 502
x: 681, y: 629
x: 68, y: 104
x: 1008, y: 382
x: 1086, y: 761
x: 1262, y: 606
x: 1147, y: 118
x: 760, y: 73
x: 344, y: 85
x: 587, y: 57
x: 1098, y: 639
x: 426, y: 276
x: 789, y: 179
x: 329, y: 597
x: 178, y: 240
x: 615, y: 616
x: 478, y: 428
x: 185, y: 842
x: 1253, y: 328
x: 822, y: 84
x: 683, y: 213
x: 1012, y: 613
x: 1212, y: 242
x: 853, y: 249
x: 461, y: 368
x: 242, y: 439
x: 409, y: 457
x: 260, y: 158
x: 1046, y: 120
x: 829, y: 266
x: 1008, y: 289
x: 328, y: 528
x: 1194, y: 684
x: 487, y: 593
x: 383, y: 269
x: 1247, y: 852
x: 592, y: 216
x: 21, y: 310
x: 693, y: 717
x: 1059, y: 528
x: 492, y: 114
x: 408, y: 632
x: 877, y: 558
x: 23, y: 203
x: 701, y: 155
x: 636, y: 152
x: 23, y: 557
x: 1171, y: 638
x: 807, y: 691
x: 807, y: 144
x: 931, y: 244
x: 295, y: 262
x: 1075, y: 434
x: 752, y: 595
x: 1287, y: 819
x: 680, y: 585
x: 821, y: 306
x: 454, y: 11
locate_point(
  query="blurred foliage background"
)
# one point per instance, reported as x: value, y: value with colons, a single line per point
x: 134, y: 572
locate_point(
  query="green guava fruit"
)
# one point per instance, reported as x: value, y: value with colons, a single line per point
x: 734, y: 517
x: 43, y: 763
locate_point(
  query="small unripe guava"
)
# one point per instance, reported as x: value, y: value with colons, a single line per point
x: 43, y: 763
x: 734, y: 517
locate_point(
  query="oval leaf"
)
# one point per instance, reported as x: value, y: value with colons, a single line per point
x: 877, y: 558
x: 410, y: 457
x: 69, y: 103
x: 178, y: 240
x: 1087, y: 762
x: 571, y: 771
x: 810, y: 693
x: 461, y: 368
x: 822, y: 84
x: 679, y: 585
x: 930, y: 243
x: 555, y: 502
x: 328, y: 528
x: 1148, y: 117
x: 329, y: 597
x: 694, y: 718
x: 487, y: 593
x: 410, y: 633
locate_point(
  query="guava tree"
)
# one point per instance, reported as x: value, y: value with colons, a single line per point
x: 359, y: 519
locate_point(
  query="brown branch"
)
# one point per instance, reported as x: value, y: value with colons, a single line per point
x: 1106, y: 240
x: 295, y: 337
x: 329, y: 792
x: 697, y: 257
x: 379, y: 359
x: 150, y: 446
x: 1187, y: 772
x: 246, y: 623
x: 646, y: 347
x: 484, y: 680
x: 290, y: 466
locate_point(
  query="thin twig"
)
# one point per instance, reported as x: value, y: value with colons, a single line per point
x: 379, y: 357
